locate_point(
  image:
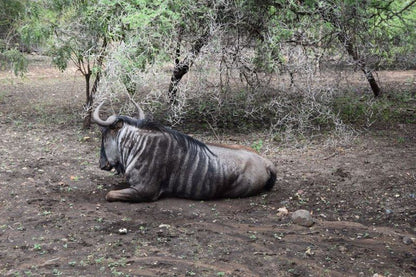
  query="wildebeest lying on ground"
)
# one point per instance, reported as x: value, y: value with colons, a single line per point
x: 157, y: 161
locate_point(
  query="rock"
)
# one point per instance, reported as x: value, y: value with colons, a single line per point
x: 122, y: 231
x: 282, y: 212
x: 309, y: 252
x: 342, y: 249
x: 303, y: 218
x: 407, y: 240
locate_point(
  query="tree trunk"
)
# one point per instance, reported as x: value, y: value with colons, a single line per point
x: 90, y: 97
x: 352, y: 51
x: 88, y: 103
x: 90, y: 93
x: 178, y: 72
x: 372, y: 81
x: 182, y: 67
x: 363, y: 67
x: 348, y: 41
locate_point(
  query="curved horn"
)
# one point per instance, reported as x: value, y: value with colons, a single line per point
x: 99, y: 121
x: 139, y: 110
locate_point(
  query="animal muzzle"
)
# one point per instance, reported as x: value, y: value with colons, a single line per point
x: 105, y: 165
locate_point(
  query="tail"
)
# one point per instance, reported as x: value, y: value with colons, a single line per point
x: 272, y: 179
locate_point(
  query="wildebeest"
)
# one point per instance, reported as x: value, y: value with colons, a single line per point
x: 157, y: 160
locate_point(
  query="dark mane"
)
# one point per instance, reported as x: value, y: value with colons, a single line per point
x: 188, y: 142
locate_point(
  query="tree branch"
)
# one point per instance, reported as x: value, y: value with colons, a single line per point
x: 182, y: 67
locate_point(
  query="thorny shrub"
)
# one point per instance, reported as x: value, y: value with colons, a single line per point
x: 295, y: 101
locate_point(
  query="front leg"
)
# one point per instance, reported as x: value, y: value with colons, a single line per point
x: 142, y: 189
x: 130, y: 195
x: 126, y: 195
x: 137, y: 193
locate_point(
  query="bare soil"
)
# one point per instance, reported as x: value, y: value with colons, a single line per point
x: 54, y: 219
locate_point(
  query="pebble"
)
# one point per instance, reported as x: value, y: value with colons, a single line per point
x: 303, y: 218
x: 342, y: 249
x: 282, y: 212
x: 122, y: 231
x: 407, y: 240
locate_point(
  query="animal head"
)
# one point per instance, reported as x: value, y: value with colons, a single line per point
x: 110, y: 154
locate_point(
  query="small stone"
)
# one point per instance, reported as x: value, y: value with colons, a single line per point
x: 342, y: 249
x: 282, y: 212
x: 407, y: 240
x: 309, y: 252
x: 122, y: 231
x: 303, y: 218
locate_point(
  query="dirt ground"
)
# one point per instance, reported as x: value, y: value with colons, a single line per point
x: 54, y: 219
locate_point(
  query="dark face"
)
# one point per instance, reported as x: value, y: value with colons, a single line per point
x: 109, y: 155
x: 104, y: 163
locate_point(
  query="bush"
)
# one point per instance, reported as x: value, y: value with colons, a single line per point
x: 365, y: 111
x: 293, y: 103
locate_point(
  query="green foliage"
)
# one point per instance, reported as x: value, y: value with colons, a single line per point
x: 10, y: 11
x: 364, y: 111
x: 147, y: 29
x: 10, y: 14
x: 15, y: 59
x: 60, y: 55
x: 257, y: 145
x: 34, y: 28
x: 37, y: 247
x: 121, y: 39
x: 68, y: 31
x: 379, y: 30
x: 74, y: 30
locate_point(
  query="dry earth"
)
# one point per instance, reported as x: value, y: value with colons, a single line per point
x: 54, y: 219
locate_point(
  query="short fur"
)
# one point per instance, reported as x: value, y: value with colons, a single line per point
x: 157, y: 161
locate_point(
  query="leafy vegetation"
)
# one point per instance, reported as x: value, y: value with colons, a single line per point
x: 397, y: 107
x: 234, y: 50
